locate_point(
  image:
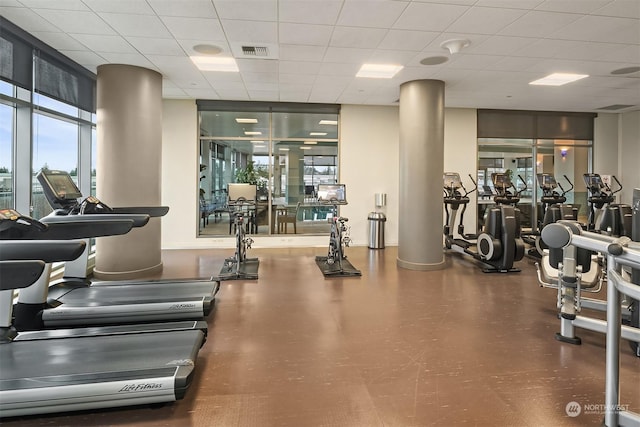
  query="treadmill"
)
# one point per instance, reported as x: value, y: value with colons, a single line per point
x: 60, y: 375
x: 63, y: 195
x: 13, y: 224
x: 75, y: 304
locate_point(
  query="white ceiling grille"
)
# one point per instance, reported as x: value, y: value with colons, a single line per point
x: 255, y: 51
x: 249, y: 50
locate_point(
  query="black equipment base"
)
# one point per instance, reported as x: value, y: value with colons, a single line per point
x: 334, y: 270
x: 247, y: 270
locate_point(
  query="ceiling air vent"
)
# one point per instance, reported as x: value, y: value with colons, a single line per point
x: 615, y: 107
x: 261, y: 51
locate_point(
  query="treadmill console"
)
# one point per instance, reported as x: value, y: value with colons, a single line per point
x: 59, y: 188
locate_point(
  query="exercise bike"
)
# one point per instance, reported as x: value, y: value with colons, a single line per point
x: 239, y: 266
x: 499, y: 244
x: 336, y: 262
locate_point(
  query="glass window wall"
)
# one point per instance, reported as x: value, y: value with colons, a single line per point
x: 285, y: 154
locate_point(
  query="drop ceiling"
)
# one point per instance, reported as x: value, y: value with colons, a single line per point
x: 316, y: 47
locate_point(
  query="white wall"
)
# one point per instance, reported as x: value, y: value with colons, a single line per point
x: 461, y: 155
x: 629, y: 154
x: 369, y: 138
x: 605, y: 144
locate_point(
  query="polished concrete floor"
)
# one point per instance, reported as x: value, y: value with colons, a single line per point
x: 393, y: 347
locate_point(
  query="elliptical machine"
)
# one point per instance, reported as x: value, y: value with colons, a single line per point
x: 605, y: 216
x: 552, y: 209
x: 499, y: 245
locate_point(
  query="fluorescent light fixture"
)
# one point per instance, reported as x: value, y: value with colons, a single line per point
x: 317, y: 133
x: 305, y: 148
x: 558, y: 79
x: 378, y: 71
x: 310, y: 142
x: 283, y: 149
x: 215, y: 63
x: 241, y: 120
x: 248, y: 132
x: 259, y: 146
x: 328, y: 122
x: 257, y: 142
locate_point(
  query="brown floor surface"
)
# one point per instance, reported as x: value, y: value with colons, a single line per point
x: 391, y: 348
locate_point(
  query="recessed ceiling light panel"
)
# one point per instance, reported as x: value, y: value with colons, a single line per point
x: 379, y: 71
x: 246, y: 132
x: 328, y: 122
x: 242, y: 120
x: 317, y: 133
x: 558, y: 79
x: 215, y: 63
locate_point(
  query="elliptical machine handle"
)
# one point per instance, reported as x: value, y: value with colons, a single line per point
x: 475, y: 186
x: 619, y: 185
x: 570, y: 183
x: 518, y: 192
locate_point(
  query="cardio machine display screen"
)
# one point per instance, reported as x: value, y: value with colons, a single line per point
x: 332, y: 192
x: 500, y: 180
x: 452, y: 180
x: 546, y: 180
x: 593, y: 180
x: 62, y: 185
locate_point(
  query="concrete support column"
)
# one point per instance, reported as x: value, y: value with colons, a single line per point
x: 421, y: 169
x: 129, y: 131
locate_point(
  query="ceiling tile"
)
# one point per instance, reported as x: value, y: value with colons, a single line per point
x: 135, y: 25
x: 357, y: 37
x: 332, y: 69
x: 299, y: 67
x: 301, y: 53
x: 264, y: 95
x: 582, y: 6
x: 538, y: 24
x: 59, y: 41
x: 27, y: 19
x: 510, y: 4
x: 367, y: 13
x: 250, y: 31
x: 620, y: 8
x: 194, y: 28
x: 305, y: 34
x: 89, y: 60
x: 484, y: 20
x: 76, y: 21
x: 156, y: 46
x: 603, y: 29
x: 120, y: 6
x: 309, y: 11
x: 127, y: 58
x: 104, y: 43
x: 399, y: 57
x: 473, y: 62
x: 48, y: 4
x: 344, y: 54
x: 407, y: 39
x: 257, y: 65
x: 202, y: 94
x: 252, y: 10
x: 501, y: 45
x: 191, y: 8
x: 428, y: 16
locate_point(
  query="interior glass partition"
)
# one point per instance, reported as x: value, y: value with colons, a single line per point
x: 285, y: 153
x: 7, y: 113
x: 522, y: 160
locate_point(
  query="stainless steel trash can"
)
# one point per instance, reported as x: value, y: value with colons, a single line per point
x: 376, y: 230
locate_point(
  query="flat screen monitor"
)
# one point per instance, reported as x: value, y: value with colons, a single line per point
x: 60, y: 184
x: 546, y: 181
x: 309, y: 190
x: 245, y: 191
x: 452, y: 180
x: 332, y: 193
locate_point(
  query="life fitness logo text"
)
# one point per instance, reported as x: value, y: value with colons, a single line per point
x: 129, y: 388
x: 573, y: 409
x: 181, y: 306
